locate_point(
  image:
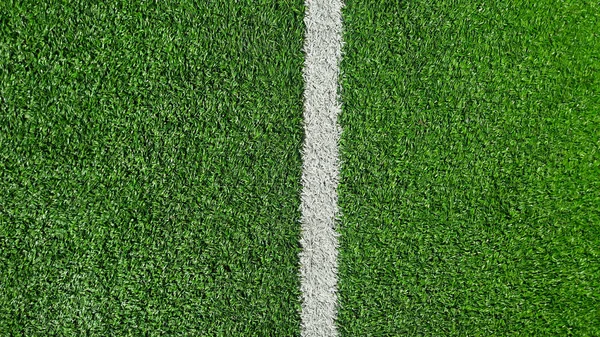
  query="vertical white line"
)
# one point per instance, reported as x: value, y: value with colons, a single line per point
x: 320, y: 171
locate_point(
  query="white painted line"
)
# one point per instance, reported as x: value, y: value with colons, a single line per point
x: 320, y: 171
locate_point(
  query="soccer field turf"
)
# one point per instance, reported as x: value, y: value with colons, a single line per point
x: 470, y: 189
x: 150, y: 168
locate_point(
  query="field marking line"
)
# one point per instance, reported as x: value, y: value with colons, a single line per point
x: 320, y: 169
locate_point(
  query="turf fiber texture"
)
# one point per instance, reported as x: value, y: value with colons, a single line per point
x: 470, y: 169
x: 150, y: 167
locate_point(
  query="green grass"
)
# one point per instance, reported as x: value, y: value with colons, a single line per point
x: 150, y: 167
x: 471, y: 169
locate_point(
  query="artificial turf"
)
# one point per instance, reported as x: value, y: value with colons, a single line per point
x: 150, y: 167
x: 470, y: 181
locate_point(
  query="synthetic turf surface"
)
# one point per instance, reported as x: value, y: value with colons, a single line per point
x: 470, y: 169
x: 150, y: 167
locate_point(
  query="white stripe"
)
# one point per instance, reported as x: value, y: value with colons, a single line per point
x: 318, y: 259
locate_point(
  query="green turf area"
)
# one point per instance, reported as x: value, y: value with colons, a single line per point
x: 471, y: 169
x: 150, y: 167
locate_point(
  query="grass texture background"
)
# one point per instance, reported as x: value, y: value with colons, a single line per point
x: 150, y: 167
x: 470, y: 169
